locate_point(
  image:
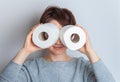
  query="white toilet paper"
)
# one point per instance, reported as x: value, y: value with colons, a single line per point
x: 72, y: 37
x: 52, y: 32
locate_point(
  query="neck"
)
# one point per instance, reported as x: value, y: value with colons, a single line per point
x: 54, y: 57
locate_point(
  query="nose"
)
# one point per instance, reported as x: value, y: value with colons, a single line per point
x: 58, y: 42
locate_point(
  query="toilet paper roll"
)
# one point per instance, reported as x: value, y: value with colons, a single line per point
x: 72, y: 37
x: 45, y: 35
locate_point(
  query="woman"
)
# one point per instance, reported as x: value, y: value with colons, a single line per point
x: 56, y: 66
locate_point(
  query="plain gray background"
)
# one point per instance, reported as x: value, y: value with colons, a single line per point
x: 100, y: 18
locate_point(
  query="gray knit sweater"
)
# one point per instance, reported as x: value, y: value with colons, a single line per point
x: 40, y: 70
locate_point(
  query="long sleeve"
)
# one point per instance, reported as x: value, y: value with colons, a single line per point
x: 14, y: 73
x: 98, y: 72
x: 102, y: 73
x: 39, y: 70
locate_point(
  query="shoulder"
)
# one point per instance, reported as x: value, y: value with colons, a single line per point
x: 82, y: 60
x: 83, y: 63
x: 33, y: 63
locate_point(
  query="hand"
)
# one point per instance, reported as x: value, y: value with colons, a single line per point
x: 29, y: 46
x: 87, y: 48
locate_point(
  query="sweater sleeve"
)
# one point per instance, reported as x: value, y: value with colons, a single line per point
x: 14, y: 73
x: 98, y: 72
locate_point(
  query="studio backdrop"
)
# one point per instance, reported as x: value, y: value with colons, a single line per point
x: 101, y: 18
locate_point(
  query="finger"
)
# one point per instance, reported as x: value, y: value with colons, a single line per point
x: 34, y: 28
x: 86, y: 33
x: 83, y: 28
x: 79, y: 25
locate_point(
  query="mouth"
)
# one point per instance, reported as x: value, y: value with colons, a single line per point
x: 58, y: 47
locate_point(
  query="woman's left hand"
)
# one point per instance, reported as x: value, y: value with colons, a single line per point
x: 87, y: 48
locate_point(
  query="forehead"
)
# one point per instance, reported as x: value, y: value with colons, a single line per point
x: 56, y: 23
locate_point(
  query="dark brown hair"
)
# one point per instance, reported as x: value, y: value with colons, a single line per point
x: 62, y: 15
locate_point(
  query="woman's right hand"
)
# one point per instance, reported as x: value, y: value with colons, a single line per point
x: 29, y: 46
x: 27, y: 49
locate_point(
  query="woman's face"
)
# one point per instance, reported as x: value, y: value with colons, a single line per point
x: 58, y: 48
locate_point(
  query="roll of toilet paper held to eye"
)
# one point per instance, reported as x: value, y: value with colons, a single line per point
x: 73, y: 37
x: 45, y: 35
